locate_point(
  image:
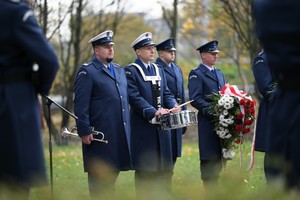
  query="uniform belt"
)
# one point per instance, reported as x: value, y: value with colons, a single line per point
x: 16, y: 78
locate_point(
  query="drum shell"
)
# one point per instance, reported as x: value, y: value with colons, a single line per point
x: 178, y: 120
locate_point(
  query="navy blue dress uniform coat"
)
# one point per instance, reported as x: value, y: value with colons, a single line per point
x: 101, y: 101
x: 150, y: 145
x: 175, y: 84
x: 22, y: 44
x: 279, y: 35
x: 265, y: 82
x: 201, y: 83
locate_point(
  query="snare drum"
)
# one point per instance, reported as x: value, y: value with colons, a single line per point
x: 178, y: 120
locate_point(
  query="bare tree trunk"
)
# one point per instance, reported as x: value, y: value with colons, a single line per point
x: 174, y: 21
x: 236, y: 59
x: 41, y: 7
x: 76, y: 24
x: 241, y: 74
x: 171, y: 16
x: 175, y: 24
x: 242, y: 23
x: 51, y: 127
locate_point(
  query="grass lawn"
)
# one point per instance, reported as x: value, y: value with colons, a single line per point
x: 236, y: 182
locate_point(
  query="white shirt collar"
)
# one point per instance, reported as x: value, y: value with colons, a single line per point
x: 146, y: 65
x: 209, y: 68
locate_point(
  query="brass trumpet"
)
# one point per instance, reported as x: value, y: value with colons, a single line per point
x: 65, y: 133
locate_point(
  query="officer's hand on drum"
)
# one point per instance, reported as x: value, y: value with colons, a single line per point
x: 87, y: 139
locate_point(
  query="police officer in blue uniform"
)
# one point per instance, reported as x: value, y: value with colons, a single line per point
x: 101, y: 102
x: 28, y: 65
x: 203, y: 81
x: 149, y: 97
x: 265, y: 81
x: 175, y: 82
x: 279, y: 35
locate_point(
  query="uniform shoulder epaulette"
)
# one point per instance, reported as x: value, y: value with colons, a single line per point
x: 86, y: 64
x: 195, y: 69
x: 129, y: 65
x: 259, y: 61
x: 191, y: 76
x: 260, y: 53
x: 259, y: 58
x: 118, y: 65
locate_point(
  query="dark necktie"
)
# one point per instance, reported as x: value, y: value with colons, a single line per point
x: 172, y: 68
x: 214, y: 73
x: 110, y: 68
x: 150, y: 70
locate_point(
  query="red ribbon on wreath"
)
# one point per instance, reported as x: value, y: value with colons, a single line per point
x: 233, y: 90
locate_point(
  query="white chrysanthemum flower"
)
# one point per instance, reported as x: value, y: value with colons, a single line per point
x: 221, y: 118
x: 226, y: 101
x: 231, y: 100
x: 228, y: 154
x: 229, y: 121
x: 221, y: 128
x: 227, y: 106
x: 221, y: 102
x: 228, y: 136
x: 222, y: 134
x: 226, y: 96
x: 224, y: 124
x: 225, y: 112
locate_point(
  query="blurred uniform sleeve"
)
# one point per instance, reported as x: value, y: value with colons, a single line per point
x: 30, y: 37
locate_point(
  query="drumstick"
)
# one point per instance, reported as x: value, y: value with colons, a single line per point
x: 182, y: 105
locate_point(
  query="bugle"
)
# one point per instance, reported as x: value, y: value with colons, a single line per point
x: 66, y: 133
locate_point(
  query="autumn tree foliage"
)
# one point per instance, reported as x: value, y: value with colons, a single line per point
x: 230, y: 22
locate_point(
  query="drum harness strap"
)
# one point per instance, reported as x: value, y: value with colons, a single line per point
x: 155, y: 80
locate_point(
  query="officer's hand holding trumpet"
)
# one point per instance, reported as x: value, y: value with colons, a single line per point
x: 86, y: 139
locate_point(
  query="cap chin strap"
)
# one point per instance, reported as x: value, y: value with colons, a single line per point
x: 153, y: 79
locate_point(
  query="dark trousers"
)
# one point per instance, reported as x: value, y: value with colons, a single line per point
x: 272, y: 167
x: 169, y: 176
x: 210, y: 171
x: 102, y: 185
x: 152, y: 185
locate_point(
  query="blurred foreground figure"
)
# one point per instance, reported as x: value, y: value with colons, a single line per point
x: 266, y: 84
x: 28, y: 65
x: 278, y: 30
